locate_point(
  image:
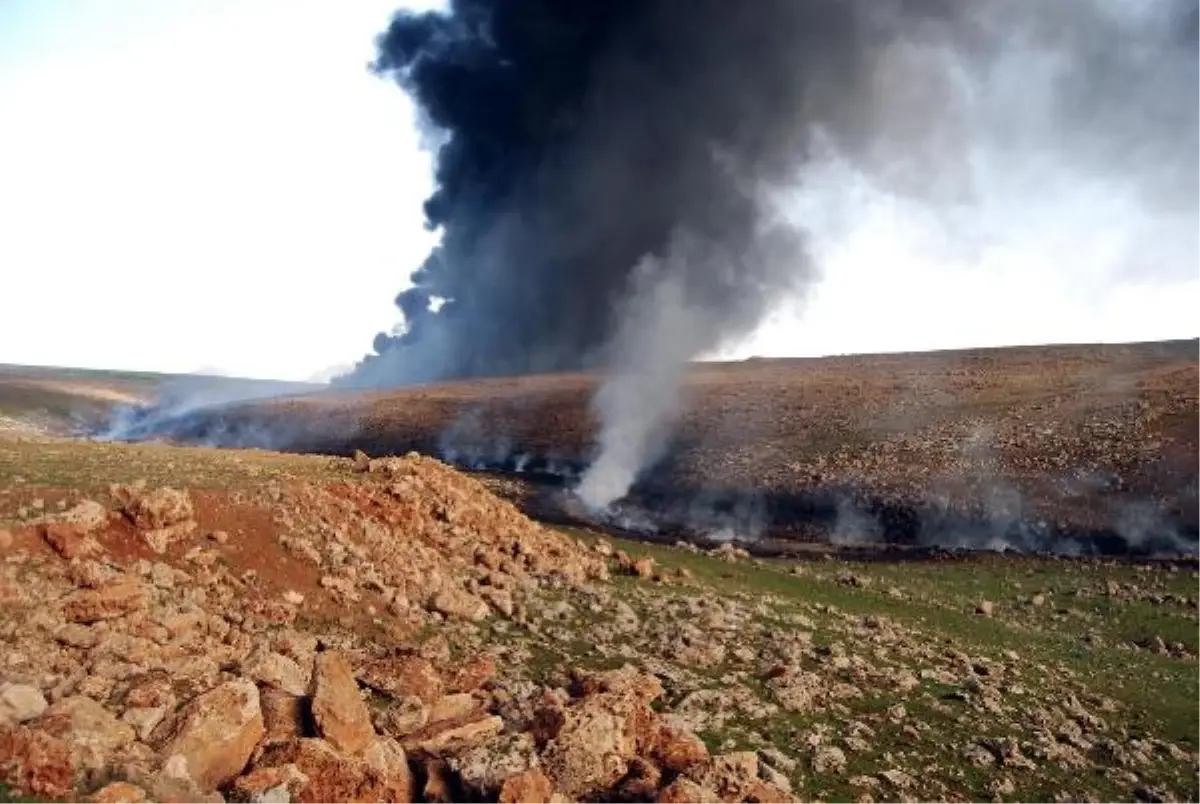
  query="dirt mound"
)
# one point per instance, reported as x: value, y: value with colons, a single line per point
x: 210, y: 665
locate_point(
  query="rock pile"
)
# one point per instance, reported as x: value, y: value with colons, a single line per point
x: 139, y: 664
x: 428, y: 538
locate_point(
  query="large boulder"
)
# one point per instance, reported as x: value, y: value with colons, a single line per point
x: 314, y: 770
x: 217, y: 733
x: 338, y: 709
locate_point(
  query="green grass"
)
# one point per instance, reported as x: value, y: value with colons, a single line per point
x: 7, y: 794
x: 1155, y: 694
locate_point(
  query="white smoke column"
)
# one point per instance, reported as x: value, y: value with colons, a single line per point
x: 1018, y: 141
x: 639, y: 400
x: 690, y: 302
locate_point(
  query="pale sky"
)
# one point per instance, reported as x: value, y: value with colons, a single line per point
x: 222, y: 185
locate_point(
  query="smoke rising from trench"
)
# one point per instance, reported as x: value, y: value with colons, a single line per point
x: 613, y: 178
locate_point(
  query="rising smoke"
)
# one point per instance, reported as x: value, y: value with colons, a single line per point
x: 615, y: 179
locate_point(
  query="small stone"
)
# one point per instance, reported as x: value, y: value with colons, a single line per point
x: 276, y: 670
x: 92, y: 731
x: 76, y: 636
x: 69, y: 541
x: 104, y: 603
x: 144, y: 719
x: 118, y: 793
x: 219, y: 536
x: 277, y: 783
x: 458, y: 603
x: 530, y: 786
x: 448, y: 707
x: 87, y: 515
x: 403, y: 676
x: 829, y: 759
x: 19, y: 703
x: 984, y: 608
x: 458, y: 738
x: 685, y: 791
x: 898, y: 779
x: 156, y: 509
x: 292, y: 597
x: 406, y: 715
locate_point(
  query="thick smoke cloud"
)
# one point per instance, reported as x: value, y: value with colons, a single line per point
x: 580, y: 139
x: 613, y: 177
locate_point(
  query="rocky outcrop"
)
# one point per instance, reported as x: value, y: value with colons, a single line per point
x: 163, y: 516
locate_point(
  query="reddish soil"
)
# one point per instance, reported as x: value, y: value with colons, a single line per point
x: 251, y: 549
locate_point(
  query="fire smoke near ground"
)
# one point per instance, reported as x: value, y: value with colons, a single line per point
x: 615, y: 180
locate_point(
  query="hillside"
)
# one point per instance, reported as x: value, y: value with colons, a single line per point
x: 52, y: 400
x: 191, y: 624
x: 1024, y: 446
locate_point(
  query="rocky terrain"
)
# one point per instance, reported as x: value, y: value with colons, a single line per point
x: 187, y: 624
x: 1024, y: 446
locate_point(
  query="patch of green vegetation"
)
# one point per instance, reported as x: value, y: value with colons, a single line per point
x: 7, y: 794
x: 1084, y: 630
x: 29, y: 466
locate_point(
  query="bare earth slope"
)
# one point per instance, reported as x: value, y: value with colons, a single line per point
x: 45, y: 399
x: 1024, y: 443
x: 190, y: 624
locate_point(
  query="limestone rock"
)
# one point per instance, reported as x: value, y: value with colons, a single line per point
x: 403, y: 717
x: 118, y: 793
x: 403, y: 676
x: 485, y: 768
x: 330, y: 775
x: 160, y: 508
x: 19, y: 703
x: 459, y: 603
x: 87, y: 515
x: 35, y: 763
x: 70, y: 541
x: 105, y: 602
x: 686, y: 791
x: 527, y: 787
x: 338, y: 709
x: 217, y: 733
x: 677, y: 749
x: 597, y: 738
x: 276, y: 670
x: 449, y: 707
x: 453, y: 736
x: 92, y: 731
x: 283, y: 716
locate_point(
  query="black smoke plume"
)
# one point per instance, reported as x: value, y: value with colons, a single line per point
x: 580, y: 138
x: 611, y: 176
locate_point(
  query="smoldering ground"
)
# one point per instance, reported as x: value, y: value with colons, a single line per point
x: 633, y: 184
